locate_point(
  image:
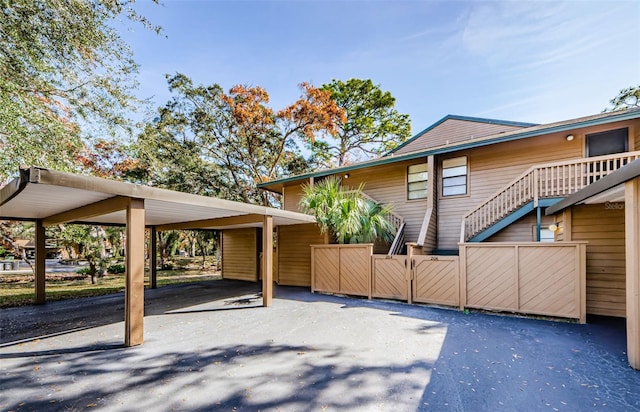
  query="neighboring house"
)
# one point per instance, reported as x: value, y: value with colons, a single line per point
x: 477, y: 174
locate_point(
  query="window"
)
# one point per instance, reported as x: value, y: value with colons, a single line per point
x: 547, y: 235
x: 454, y: 176
x: 609, y: 142
x: 417, y: 180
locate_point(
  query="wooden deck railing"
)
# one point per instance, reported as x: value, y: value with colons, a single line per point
x: 549, y: 180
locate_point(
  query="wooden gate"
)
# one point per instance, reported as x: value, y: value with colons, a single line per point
x: 391, y: 277
x: 436, y: 280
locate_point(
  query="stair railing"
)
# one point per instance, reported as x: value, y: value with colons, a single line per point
x: 557, y: 179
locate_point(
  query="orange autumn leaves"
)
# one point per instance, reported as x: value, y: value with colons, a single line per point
x: 314, y: 112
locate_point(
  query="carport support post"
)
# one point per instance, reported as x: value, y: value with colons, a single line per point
x: 134, y: 288
x: 153, y: 259
x: 41, y: 255
x: 632, y: 244
x: 267, y: 261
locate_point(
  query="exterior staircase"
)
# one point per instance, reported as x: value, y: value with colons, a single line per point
x: 540, y: 186
x: 398, y: 224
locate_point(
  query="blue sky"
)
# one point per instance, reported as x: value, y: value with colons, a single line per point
x: 530, y: 61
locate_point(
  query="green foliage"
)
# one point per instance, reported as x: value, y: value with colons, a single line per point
x: 372, y: 127
x: 62, y: 65
x: 218, y: 143
x: 626, y: 99
x: 84, y: 271
x: 117, y: 268
x: 345, y: 214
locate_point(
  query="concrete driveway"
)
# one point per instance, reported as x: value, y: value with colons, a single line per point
x: 210, y: 346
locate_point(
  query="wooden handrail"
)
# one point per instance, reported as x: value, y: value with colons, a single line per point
x: 395, y: 219
x: 554, y: 179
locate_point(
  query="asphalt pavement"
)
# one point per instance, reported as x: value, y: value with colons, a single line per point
x: 211, y: 346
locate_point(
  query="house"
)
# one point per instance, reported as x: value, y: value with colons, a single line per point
x: 468, y: 182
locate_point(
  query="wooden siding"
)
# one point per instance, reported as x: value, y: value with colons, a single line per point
x: 524, y: 230
x: 634, y: 131
x: 390, y: 277
x: 454, y: 131
x: 385, y: 184
x: 436, y: 280
x: 292, y: 196
x: 604, y: 229
x: 490, y: 169
x: 341, y: 269
x: 240, y: 254
x: 294, y: 253
x: 536, y: 278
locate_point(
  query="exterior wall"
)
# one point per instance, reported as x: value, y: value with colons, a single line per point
x: 604, y: 229
x: 524, y: 230
x: 454, y: 131
x: 240, y: 254
x: 292, y: 196
x: 294, y: 253
x: 635, y: 132
x: 385, y: 184
x: 492, y: 167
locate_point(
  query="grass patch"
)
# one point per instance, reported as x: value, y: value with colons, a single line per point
x: 19, y: 289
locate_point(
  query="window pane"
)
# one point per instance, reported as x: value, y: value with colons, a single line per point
x: 422, y: 167
x: 418, y: 194
x: 456, y: 161
x: 417, y: 186
x: 418, y: 177
x: 546, y: 235
x: 454, y: 181
x: 454, y: 190
x: 454, y: 171
x: 609, y: 142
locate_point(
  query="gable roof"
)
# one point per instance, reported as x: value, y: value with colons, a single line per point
x: 452, y: 129
x: 517, y: 134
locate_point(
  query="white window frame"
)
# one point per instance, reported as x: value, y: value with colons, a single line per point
x: 418, y: 181
x: 455, y: 171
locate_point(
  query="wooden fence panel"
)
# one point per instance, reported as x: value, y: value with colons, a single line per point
x: 436, y: 280
x: 355, y: 270
x: 536, y: 278
x: 390, y: 275
x: 547, y: 281
x: 341, y: 269
x: 491, y: 278
x: 325, y: 270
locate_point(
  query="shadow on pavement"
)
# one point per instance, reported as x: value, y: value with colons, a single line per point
x: 55, y: 318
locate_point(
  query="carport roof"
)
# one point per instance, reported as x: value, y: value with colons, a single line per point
x: 57, y: 197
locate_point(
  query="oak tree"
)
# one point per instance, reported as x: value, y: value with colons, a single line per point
x: 65, y: 72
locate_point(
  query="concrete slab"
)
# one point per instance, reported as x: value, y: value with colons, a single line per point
x: 212, y: 346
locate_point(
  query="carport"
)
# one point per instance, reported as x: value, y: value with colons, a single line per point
x: 621, y: 186
x: 50, y: 197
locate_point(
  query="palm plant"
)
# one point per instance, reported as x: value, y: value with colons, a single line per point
x: 345, y: 214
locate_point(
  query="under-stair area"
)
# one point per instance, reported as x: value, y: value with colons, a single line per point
x: 539, y: 187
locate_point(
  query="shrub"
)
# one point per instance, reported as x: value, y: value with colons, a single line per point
x: 84, y: 271
x: 116, y: 268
